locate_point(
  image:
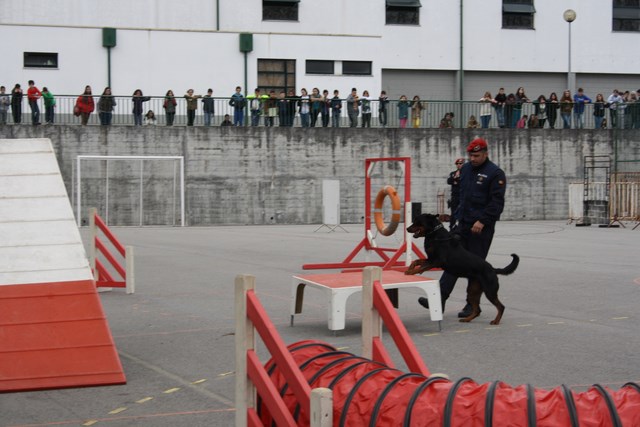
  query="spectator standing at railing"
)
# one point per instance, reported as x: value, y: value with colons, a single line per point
x: 84, y: 105
x: 541, y: 110
x: 521, y: 98
x: 633, y: 110
x: 283, y: 109
x: 579, y: 99
x: 614, y: 101
x: 365, y: 101
x: 353, y: 107
x: 416, y: 111
x: 552, y: 109
x: 383, y: 106
x: 138, y: 99
x: 208, y: 108
x: 447, y: 121
x: 336, y: 109
x: 315, y: 106
x: 49, y: 105
x: 500, y: 100
x: 566, y: 106
x: 403, y: 111
x: 472, y: 123
x: 33, y: 95
x: 486, y: 102
x: 192, y: 106
x: 270, y: 109
x: 325, y: 113
x: 293, y: 100
x: 150, y: 118
x: 509, y: 106
x: 105, y: 106
x: 304, y: 108
x: 16, y: 103
x: 5, y: 102
x: 169, y: 106
x: 255, y: 100
x: 238, y: 103
x: 599, y: 105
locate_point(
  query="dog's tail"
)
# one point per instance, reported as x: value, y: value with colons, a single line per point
x: 509, y: 268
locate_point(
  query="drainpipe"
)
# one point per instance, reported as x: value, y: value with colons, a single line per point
x: 461, y: 70
x: 217, y: 15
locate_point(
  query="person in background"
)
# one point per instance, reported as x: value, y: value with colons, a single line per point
x: 566, y: 106
x: 283, y: 109
x: 270, y: 109
x: 599, y: 106
x: 482, y: 189
x: 521, y: 98
x: 366, y: 109
x: 105, y: 107
x: 454, y: 182
x: 632, y: 112
x: 255, y: 106
x: 473, y: 122
x: 169, y: 106
x: 579, y: 99
x: 238, y: 103
x: 192, y: 106
x: 293, y: 100
x: 447, y: 121
x: 500, y: 100
x: 5, y: 102
x: 336, y: 109
x: 150, y: 118
x: 207, y: 107
x: 315, y: 105
x: 325, y: 113
x: 84, y: 105
x: 540, y: 110
x: 614, y: 100
x: 552, y: 109
x: 33, y: 95
x: 383, y: 105
x: 16, y: 103
x: 304, y: 107
x: 416, y: 111
x: 49, y: 106
x: 522, y: 123
x: 485, y: 109
x: 226, y: 121
x: 509, y: 108
x: 353, y: 107
x: 403, y: 111
x: 137, y: 99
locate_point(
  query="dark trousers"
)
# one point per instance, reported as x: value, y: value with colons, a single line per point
x: 478, y: 244
x: 48, y: 113
x: 191, y: 117
x: 35, y: 112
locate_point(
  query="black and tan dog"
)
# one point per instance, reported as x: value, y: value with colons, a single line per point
x: 446, y: 252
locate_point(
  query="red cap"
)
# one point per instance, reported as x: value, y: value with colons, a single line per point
x: 460, y: 160
x: 476, y: 145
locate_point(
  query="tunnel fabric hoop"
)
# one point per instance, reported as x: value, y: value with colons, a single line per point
x: 387, y: 230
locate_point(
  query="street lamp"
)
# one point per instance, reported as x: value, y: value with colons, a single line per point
x: 569, y: 15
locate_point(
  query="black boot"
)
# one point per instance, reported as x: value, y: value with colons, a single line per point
x: 466, y: 311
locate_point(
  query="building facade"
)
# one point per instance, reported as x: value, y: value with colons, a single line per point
x: 437, y: 49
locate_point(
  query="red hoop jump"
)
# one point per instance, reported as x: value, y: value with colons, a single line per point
x: 387, y: 230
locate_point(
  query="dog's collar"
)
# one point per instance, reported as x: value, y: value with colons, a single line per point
x: 436, y: 228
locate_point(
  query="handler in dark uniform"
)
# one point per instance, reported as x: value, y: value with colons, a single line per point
x: 454, y: 182
x: 482, y: 188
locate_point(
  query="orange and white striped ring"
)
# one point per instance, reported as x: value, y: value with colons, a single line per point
x: 387, y: 230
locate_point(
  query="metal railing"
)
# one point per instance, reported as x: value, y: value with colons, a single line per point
x: 628, y: 116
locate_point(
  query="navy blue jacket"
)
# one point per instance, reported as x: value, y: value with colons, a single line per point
x: 481, y: 194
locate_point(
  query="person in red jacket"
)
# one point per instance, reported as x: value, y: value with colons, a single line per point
x: 84, y: 105
x: 33, y: 94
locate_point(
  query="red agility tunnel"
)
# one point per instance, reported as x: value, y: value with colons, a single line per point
x: 368, y: 393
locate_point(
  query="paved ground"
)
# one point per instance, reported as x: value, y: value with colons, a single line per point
x: 572, y: 318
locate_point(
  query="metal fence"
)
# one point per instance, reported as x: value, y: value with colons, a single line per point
x: 430, y: 117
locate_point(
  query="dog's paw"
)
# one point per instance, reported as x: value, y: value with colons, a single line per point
x: 494, y: 322
x: 465, y: 320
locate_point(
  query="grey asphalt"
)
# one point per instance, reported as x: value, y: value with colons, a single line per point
x: 571, y: 318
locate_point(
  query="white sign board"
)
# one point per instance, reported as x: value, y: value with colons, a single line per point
x: 331, y: 202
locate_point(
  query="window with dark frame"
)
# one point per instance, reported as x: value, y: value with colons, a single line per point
x: 314, y: 66
x: 626, y: 15
x: 277, y: 75
x: 40, y: 60
x: 280, y: 10
x: 402, y: 12
x: 358, y: 68
x: 518, y: 14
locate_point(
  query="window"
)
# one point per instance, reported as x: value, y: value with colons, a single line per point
x: 277, y: 74
x: 360, y: 68
x: 319, y: 67
x: 403, y: 12
x: 280, y: 10
x: 518, y: 14
x: 40, y: 60
x: 626, y: 15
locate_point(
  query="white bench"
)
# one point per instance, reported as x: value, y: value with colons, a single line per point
x: 337, y: 288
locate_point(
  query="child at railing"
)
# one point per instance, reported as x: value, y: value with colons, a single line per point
x: 150, y: 118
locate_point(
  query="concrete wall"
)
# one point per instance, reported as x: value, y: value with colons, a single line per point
x: 274, y: 175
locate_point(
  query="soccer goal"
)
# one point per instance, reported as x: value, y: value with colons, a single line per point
x: 131, y: 190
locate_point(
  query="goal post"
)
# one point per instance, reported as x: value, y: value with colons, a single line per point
x: 178, y: 183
